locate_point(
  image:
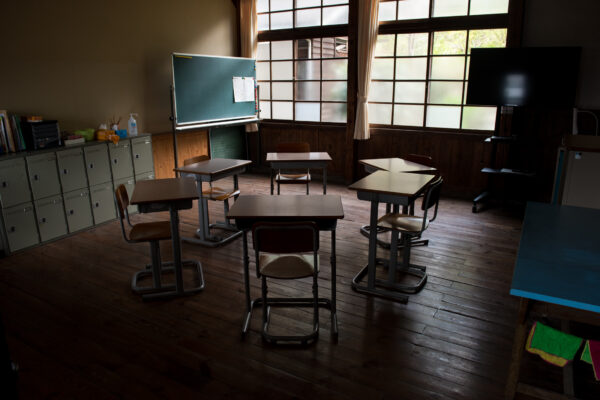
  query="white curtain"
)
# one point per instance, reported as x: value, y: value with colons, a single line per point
x: 368, y: 26
x: 248, y: 37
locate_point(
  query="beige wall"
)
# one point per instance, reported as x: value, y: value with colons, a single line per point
x: 83, y: 62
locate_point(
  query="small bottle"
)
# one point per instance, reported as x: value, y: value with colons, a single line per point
x: 132, y: 125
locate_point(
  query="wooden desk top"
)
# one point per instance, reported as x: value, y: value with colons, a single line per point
x: 559, y: 256
x: 287, y: 206
x: 311, y: 156
x: 394, y: 183
x: 164, y: 190
x: 397, y: 165
x: 213, y: 166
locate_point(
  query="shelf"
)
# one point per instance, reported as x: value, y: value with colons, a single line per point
x: 501, y: 139
x: 508, y: 171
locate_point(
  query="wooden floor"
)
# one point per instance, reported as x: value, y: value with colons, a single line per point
x: 77, y: 331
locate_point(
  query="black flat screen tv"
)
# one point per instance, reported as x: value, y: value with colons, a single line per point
x: 526, y: 76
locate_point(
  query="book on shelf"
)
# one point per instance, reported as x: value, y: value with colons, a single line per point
x: 3, y: 138
x: 18, y: 132
x: 10, y: 139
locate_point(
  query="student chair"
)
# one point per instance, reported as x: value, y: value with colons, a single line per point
x: 216, y: 194
x: 287, y: 250
x: 410, y: 226
x: 427, y: 161
x: 285, y: 178
x: 152, y: 232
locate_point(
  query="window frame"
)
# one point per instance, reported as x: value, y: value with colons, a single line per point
x: 310, y: 33
x: 431, y: 25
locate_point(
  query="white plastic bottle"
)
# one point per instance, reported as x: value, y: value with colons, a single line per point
x: 132, y: 125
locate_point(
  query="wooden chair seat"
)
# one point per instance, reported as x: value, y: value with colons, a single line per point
x: 403, y: 222
x: 286, y: 266
x: 148, y: 231
x: 292, y: 178
x: 219, y: 194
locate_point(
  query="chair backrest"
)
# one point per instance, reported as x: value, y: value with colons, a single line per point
x: 432, y: 197
x: 293, y: 147
x: 196, y: 159
x: 122, y: 200
x: 285, y: 237
x: 419, y: 159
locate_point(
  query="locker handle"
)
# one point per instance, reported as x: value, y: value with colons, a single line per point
x: 115, y: 161
x: 13, y: 229
x: 36, y: 177
x: 91, y: 165
x: 43, y: 221
x: 65, y: 171
x: 4, y: 184
x: 71, y: 212
x: 137, y: 156
x: 97, y: 204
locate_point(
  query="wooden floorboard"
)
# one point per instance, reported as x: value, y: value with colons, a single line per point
x: 77, y: 331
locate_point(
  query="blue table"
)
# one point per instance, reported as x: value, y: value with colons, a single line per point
x: 558, y: 263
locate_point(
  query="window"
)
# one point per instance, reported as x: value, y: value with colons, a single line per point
x: 419, y: 74
x: 303, y: 77
x: 284, y: 14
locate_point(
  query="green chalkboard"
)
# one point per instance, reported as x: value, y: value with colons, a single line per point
x: 203, y: 88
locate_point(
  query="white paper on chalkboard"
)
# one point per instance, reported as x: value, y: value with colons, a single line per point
x: 243, y: 89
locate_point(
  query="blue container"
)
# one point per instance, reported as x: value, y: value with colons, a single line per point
x: 122, y: 133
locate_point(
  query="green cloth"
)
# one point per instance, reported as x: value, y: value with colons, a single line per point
x: 555, y: 342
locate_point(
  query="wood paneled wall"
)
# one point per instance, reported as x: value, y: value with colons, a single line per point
x: 189, y: 144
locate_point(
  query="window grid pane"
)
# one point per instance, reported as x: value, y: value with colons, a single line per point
x: 420, y: 79
x: 304, y: 79
x: 284, y: 14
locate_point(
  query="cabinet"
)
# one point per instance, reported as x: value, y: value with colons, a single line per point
x: 20, y: 226
x: 141, y: 150
x: 51, y: 218
x: 120, y: 160
x: 14, y: 185
x: 103, y: 203
x: 72, y: 169
x: 43, y: 175
x: 97, y: 164
x: 50, y: 193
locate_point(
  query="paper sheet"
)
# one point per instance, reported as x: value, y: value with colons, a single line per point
x: 243, y: 89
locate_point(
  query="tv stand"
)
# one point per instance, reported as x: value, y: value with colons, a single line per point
x: 493, y: 171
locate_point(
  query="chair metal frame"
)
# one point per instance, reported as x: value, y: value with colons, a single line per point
x: 291, y: 239
x: 157, y: 267
x: 286, y: 178
x: 431, y: 199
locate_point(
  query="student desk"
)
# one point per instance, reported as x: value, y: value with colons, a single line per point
x: 399, y: 189
x: 172, y: 194
x: 558, y: 263
x: 396, y: 165
x: 210, y: 171
x: 323, y: 210
x: 299, y: 161
x: 393, y: 165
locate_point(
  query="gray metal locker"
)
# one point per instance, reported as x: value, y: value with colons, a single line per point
x: 103, y: 202
x: 51, y: 218
x: 78, y: 210
x: 14, y: 186
x: 141, y: 149
x: 20, y: 225
x: 129, y: 185
x: 120, y: 160
x: 97, y: 164
x: 71, y: 169
x: 43, y: 175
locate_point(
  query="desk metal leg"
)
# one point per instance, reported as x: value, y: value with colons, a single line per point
x: 325, y: 180
x: 272, y: 186
x: 334, y: 326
